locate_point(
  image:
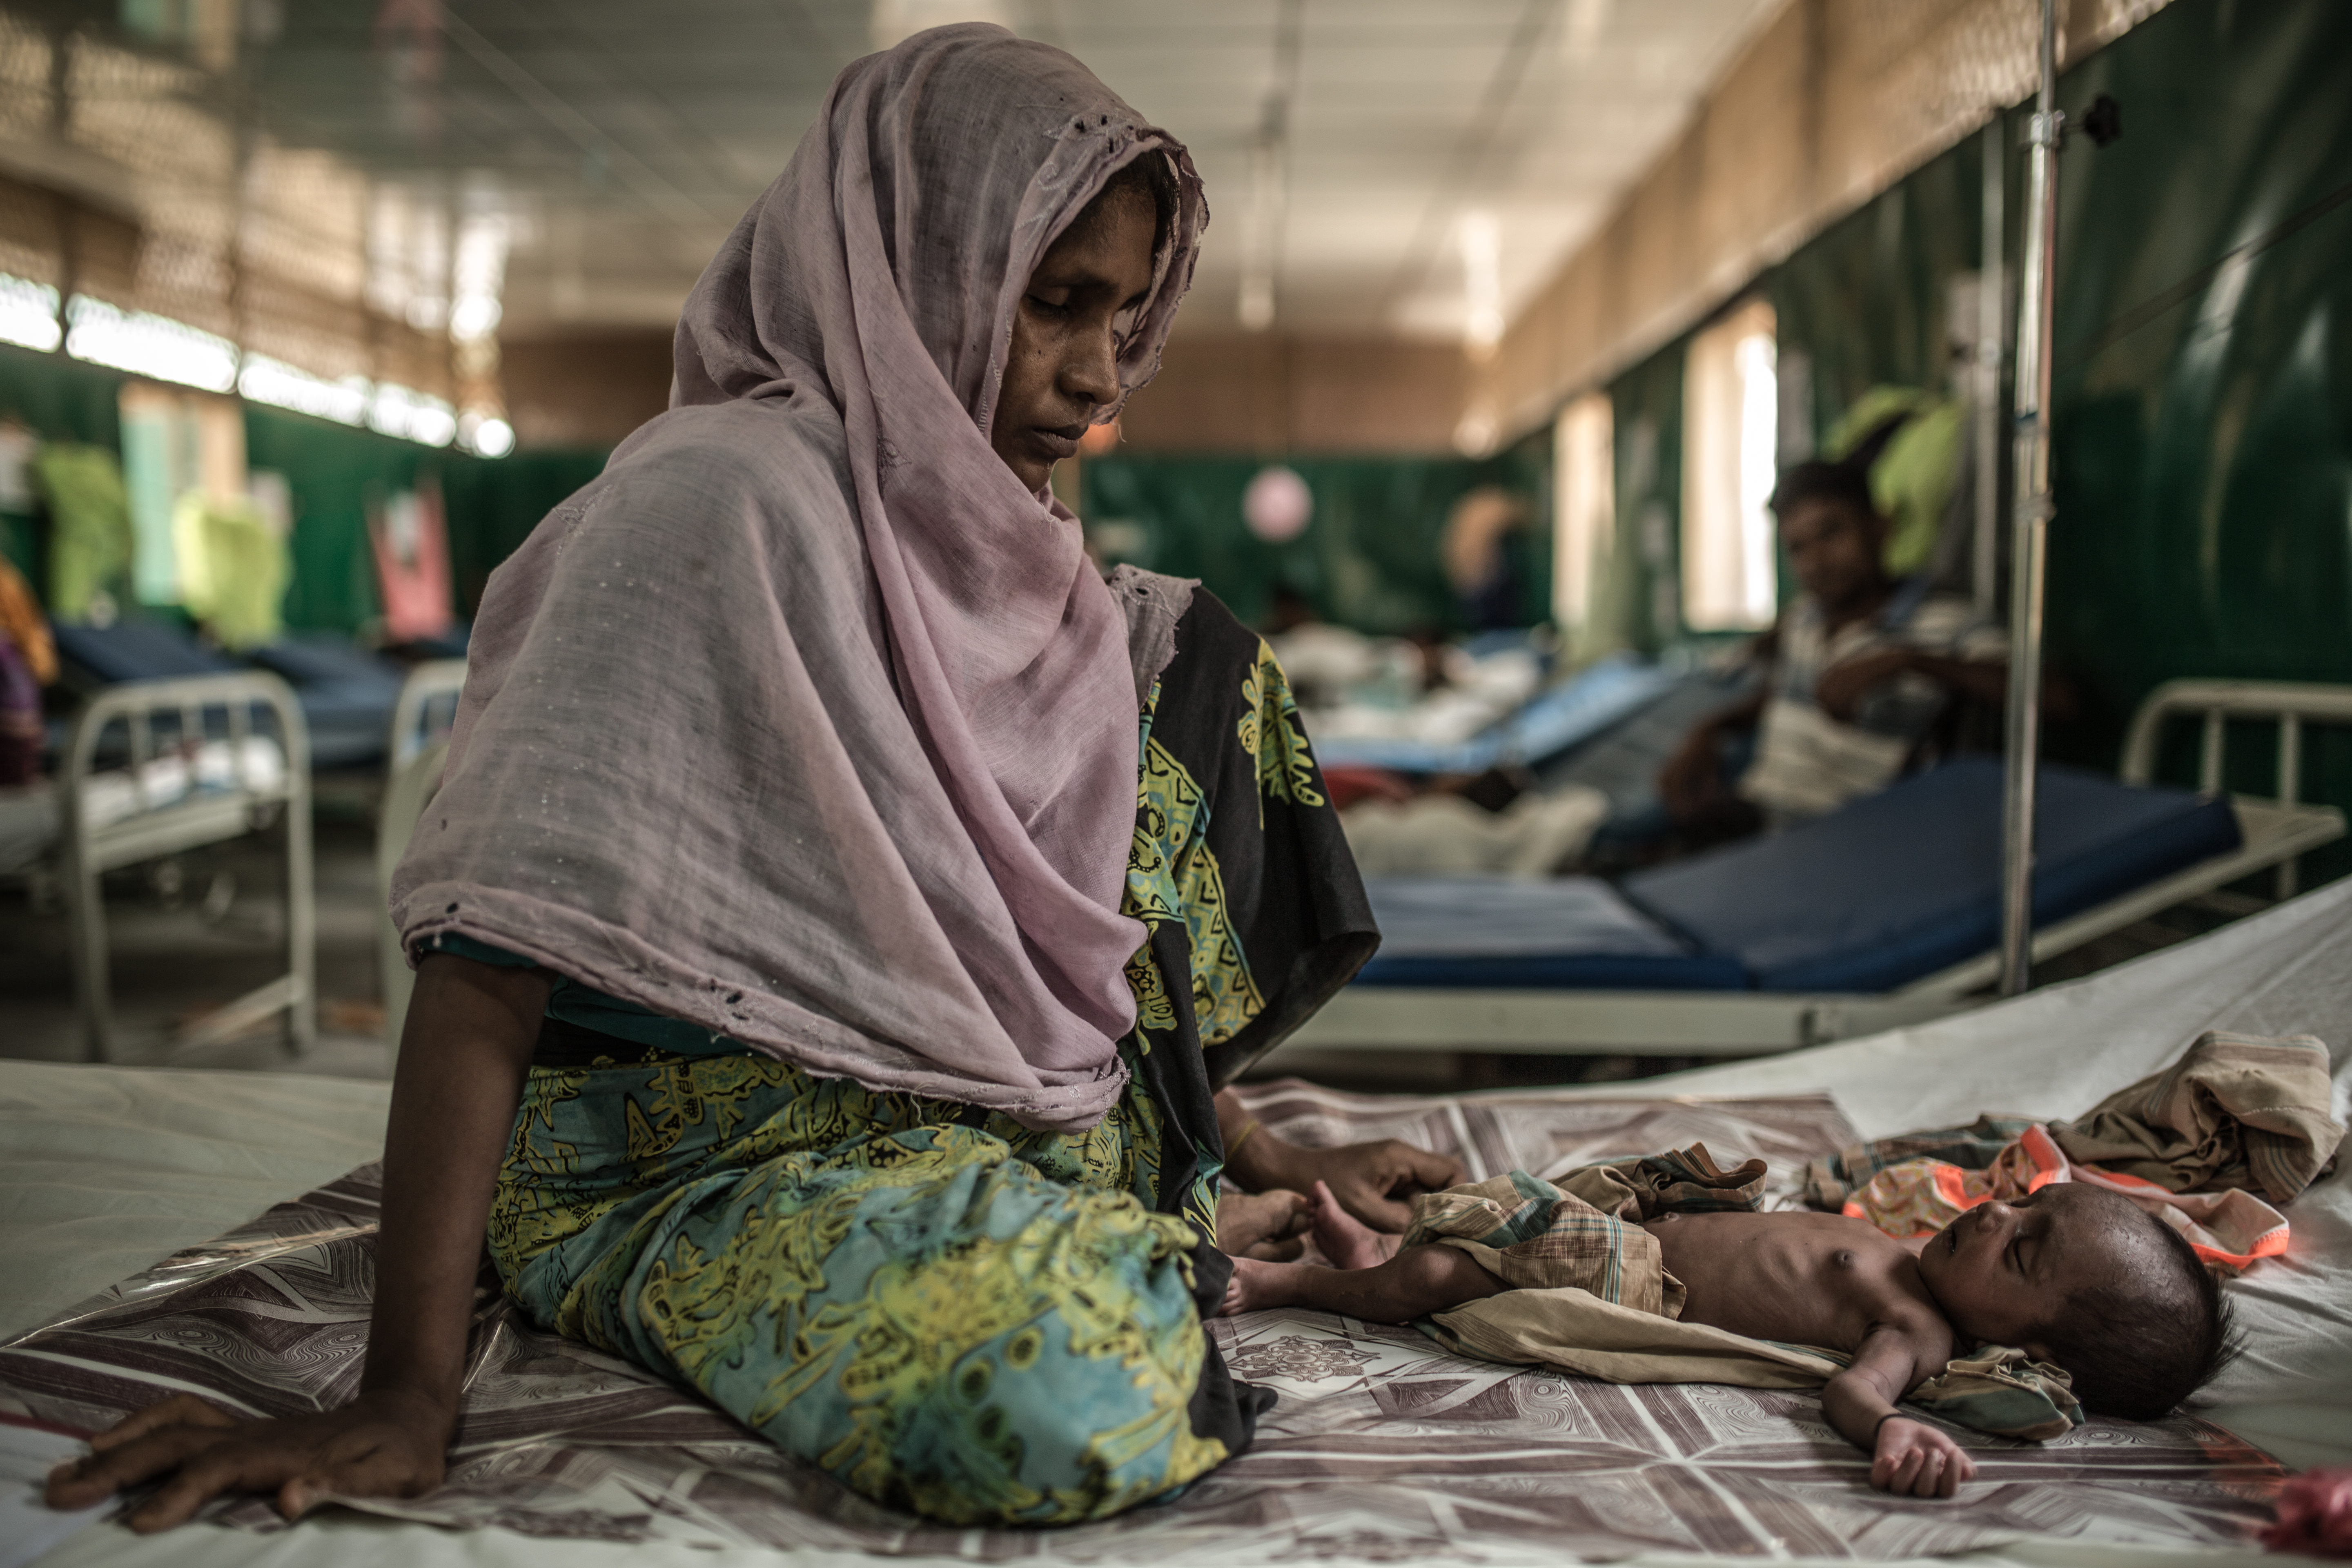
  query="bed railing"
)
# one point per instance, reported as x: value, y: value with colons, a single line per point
x: 427, y: 705
x: 2289, y: 704
x: 207, y: 812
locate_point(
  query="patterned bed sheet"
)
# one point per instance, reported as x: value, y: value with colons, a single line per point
x: 1381, y: 1446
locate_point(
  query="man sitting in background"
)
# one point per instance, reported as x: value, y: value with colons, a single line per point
x: 1854, y: 676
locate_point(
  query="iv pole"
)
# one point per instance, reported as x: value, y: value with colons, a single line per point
x: 2030, y: 524
x: 1984, y: 571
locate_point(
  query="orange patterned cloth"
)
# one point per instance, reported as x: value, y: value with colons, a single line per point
x: 2229, y: 1229
x: 22, y: 623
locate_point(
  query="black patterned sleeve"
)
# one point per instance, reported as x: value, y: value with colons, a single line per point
x: 1254, y: 868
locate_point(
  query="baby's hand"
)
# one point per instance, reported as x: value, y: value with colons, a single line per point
x: 1916, y: 1460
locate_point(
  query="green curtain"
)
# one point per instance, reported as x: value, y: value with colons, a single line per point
x: 1368, y: 557
x: 2202, y: 403
x: 1636, y: 601
x: 336, y: 475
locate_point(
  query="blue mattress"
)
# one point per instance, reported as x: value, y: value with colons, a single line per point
x: 1548, y: 724
x: 1575, y: 932
x: 1889, y: 891
x: 1906, y: 882
x: 136, y: 650
x: 347, y: 694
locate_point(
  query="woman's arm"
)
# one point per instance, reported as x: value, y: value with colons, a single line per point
x: 463, y: 1057
x: 1375, y: 1182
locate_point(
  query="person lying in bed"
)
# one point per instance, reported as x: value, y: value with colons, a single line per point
x: 2077, y: 1276
x: 842, y: 905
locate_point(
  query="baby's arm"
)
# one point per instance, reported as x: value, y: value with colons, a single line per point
x: 1907, y: 1456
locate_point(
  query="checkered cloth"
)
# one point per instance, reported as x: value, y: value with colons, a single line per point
x: 1584, y: 1230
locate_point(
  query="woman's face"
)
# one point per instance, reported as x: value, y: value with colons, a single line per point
x: 1062, y: 367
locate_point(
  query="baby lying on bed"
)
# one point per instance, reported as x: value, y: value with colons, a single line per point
x: 2077, y: 1276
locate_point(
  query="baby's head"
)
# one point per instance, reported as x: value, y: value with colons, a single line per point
x: 2083, y: 1278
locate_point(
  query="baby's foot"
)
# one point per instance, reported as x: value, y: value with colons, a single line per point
x: 1344, y: 1239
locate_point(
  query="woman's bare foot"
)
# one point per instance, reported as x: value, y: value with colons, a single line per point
x: 1345, y: 1240
x: 1271, y: 1226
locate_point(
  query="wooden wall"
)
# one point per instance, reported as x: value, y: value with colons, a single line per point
x: 1833, y: 102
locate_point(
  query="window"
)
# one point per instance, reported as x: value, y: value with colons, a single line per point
x: 1730, y: 422
x: 1584, y: 506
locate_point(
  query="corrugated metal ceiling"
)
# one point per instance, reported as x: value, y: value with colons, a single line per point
x: 1347, y: 143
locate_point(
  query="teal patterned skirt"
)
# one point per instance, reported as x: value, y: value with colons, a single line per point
x: 950, y: 1313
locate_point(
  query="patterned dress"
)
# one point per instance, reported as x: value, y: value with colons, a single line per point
x: 951, y: 1314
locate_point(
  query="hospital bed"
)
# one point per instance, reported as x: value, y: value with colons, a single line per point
x: 420, y: 746
x: 154, y: 768
x: 1881, y: 914
x: 347, y: 695
x: 1555, y: 720
x: 1381, y: 1450
x: 424, y: 711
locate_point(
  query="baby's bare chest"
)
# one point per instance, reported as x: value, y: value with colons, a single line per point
x: 1808, y: 1278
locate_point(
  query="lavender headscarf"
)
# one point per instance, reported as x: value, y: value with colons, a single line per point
x: 806, y: 721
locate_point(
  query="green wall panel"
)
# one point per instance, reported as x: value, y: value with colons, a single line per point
x: 493, y: 507
x: 1368, y: 560
x: 2202, y: 403
x: 60, y: 398
x: 1636, y: 601
x: 337, y: 475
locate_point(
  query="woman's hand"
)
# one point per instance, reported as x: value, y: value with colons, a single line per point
x: 1375, y: 1182
x: 1378, y: 1182
x: 1270, y: 1226
x: 1913, y: 1458
x: 385, y: 1443
x: 464, y: 1055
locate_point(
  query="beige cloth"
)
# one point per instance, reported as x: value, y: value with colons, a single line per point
x: 2236, y: 1111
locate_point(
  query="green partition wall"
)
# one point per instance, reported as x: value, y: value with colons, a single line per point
x: 1368, y: 559
x: 336, y: 475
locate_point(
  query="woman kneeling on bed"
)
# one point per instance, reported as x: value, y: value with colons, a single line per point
x: 813, y: 998
x: 2079, y: 1277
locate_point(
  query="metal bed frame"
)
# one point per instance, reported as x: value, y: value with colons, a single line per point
x: 412, y: 786
x: 418, y: 750
x: 428, y: 686
x: 87, y: 851
x: 1757, y: 1023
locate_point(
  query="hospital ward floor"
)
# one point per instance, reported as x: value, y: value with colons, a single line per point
x: 193, y: 933
x: 189, y: 933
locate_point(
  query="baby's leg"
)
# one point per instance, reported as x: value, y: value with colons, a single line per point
x: 1417, y: 1281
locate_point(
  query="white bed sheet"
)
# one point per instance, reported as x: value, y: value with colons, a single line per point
x: 104, y: 1170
